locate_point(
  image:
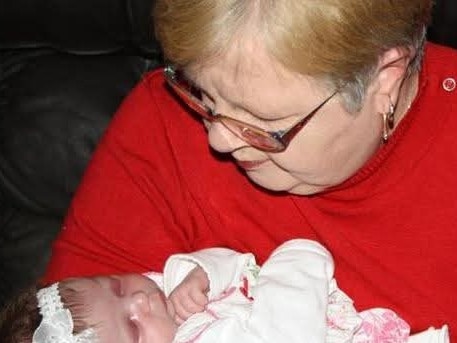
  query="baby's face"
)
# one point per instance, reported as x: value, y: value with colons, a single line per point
x: 126, y: 309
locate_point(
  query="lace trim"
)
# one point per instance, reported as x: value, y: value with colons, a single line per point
x: 57, y: 323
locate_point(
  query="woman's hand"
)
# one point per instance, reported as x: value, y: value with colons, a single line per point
x: 190, y: 296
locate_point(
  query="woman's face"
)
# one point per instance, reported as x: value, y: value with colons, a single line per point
x: 126, y: 309
x: 257, y: 90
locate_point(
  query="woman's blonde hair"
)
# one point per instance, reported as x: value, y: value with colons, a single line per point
x: 336, y: 40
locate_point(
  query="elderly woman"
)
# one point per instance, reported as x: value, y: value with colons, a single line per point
x: 330, y: 120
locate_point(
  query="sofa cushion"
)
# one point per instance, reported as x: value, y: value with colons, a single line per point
x: 25, y: 240
x: 53, y: 109
x: 81, y: 27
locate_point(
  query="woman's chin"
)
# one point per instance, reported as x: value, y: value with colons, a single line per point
x: 275, y: 184
x: 284, y: 183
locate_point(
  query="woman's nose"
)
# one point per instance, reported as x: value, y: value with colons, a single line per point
x: 222, y: 139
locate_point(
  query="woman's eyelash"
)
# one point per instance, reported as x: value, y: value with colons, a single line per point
x: 278, y: 123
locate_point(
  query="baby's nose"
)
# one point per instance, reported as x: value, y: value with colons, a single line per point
x: 139, y: 304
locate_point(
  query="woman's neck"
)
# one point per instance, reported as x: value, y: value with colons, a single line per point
x: 408, y: 93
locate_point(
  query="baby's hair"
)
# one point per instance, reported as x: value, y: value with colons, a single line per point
x: 74, y: 300
x: 20, y: 317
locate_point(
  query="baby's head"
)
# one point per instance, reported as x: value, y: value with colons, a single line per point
x: 123, y: 308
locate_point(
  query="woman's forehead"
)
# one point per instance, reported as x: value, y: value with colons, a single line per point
x: 254, y: 80
x: 244, y: 60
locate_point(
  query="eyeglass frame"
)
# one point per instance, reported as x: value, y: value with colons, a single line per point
x: 282, y: 138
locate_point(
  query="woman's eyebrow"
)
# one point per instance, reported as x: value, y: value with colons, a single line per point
x: 194, y: 80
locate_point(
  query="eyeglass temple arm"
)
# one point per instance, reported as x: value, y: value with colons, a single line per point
x: 288, y: 135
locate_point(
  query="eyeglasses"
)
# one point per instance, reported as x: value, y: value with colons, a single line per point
x: 268, y: 141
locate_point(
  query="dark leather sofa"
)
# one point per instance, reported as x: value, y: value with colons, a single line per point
x: 64, y: 68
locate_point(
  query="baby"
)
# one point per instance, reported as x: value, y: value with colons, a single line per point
x: 212, y: 295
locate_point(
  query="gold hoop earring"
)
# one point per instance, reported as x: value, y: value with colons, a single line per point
x: 388, y: 122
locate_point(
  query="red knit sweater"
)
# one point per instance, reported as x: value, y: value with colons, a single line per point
x: 154, y: 188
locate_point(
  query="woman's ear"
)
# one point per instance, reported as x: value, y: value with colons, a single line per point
x: 390, y: 73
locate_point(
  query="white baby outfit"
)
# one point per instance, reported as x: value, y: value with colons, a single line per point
x: 292, y: 298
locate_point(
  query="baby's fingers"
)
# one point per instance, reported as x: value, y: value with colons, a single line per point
x: 199, y: 299
x: 185, y: 306
x: 183, y: 310
x: 190, y: 306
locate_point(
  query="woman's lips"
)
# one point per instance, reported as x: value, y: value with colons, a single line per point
x: 250, y: 165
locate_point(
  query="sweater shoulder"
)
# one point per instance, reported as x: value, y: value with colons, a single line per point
x: 154, y: 83
x: 440, y: 59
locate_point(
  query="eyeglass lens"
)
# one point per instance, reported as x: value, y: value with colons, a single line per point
x: 252, y: 135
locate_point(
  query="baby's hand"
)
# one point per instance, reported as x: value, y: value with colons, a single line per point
x: 189, y: 296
